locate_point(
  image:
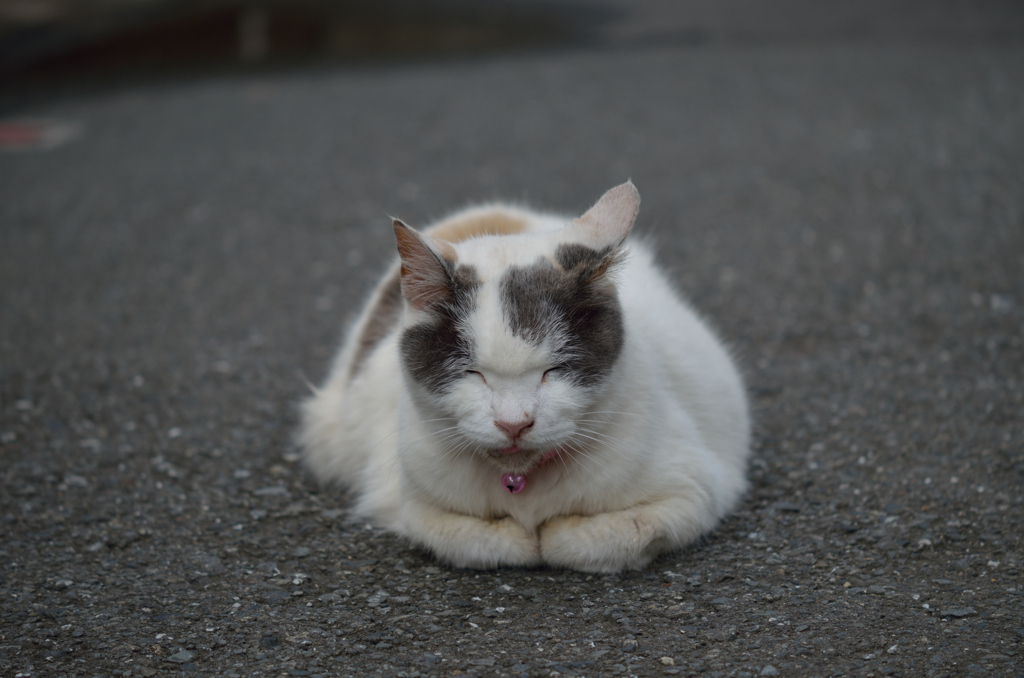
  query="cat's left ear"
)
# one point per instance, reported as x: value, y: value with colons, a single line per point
x: 609, y: 221
x: 426, y: 267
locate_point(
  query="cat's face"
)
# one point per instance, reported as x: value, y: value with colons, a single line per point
x: 510, y: 339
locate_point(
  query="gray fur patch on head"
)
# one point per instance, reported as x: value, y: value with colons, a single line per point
x: 574, y: 302
x: 437, y: 351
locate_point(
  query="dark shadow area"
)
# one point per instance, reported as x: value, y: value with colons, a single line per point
x: 80, y: 48
x: 59, y: 48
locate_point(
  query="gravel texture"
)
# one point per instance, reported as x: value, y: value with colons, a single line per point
x: 848, y: 216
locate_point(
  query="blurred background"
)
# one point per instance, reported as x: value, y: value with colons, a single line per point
x: 62, y: 46
x: 195, y: 196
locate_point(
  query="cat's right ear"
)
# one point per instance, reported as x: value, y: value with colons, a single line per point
x: 426, y: 273
x: 609, y: 221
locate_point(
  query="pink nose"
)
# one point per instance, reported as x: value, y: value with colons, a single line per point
x: 514, y: 429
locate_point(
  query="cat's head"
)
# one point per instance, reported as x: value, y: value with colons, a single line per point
x: 510, y: 339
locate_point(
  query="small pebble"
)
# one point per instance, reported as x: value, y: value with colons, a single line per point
x: 959, y: 612
x: 181, y: 657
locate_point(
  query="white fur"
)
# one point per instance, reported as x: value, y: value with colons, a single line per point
x: 651, y: 460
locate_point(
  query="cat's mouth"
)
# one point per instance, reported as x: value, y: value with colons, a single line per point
x: 511, y: 452
x: 518, y: 459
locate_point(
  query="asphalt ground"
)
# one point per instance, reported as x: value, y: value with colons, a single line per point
x: 849, y: 216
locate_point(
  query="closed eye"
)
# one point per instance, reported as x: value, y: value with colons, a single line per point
x: 553, y: 370
x: 468, y: 372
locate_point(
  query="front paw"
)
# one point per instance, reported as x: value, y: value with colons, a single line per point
x: 515, y: 545
x: 605, y: 542
x: 501, y: 542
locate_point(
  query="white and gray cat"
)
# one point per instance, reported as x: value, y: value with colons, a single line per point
x: 523, y: 388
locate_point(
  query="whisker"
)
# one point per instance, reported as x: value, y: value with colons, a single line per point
x: 607, y: 442
x: 574, y: 458
x: 612, y: 413
x: 589, y: 456
x: 562, y: 461
x: 450, y: 431
x: 453, y: 455
x: 600, y: 433
x: 405, y: 426
x: 590, y: 459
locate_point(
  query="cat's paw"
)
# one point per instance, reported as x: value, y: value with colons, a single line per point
x: 606, y: 542
x: 485, y: 544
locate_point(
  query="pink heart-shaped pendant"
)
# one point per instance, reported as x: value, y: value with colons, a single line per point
x: 514, y: 482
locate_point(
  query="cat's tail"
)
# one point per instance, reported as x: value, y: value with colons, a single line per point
x: 349, y: 427
x: 326, y: 439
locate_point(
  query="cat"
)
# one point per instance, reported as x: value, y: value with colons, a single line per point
x: 526, y: 389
